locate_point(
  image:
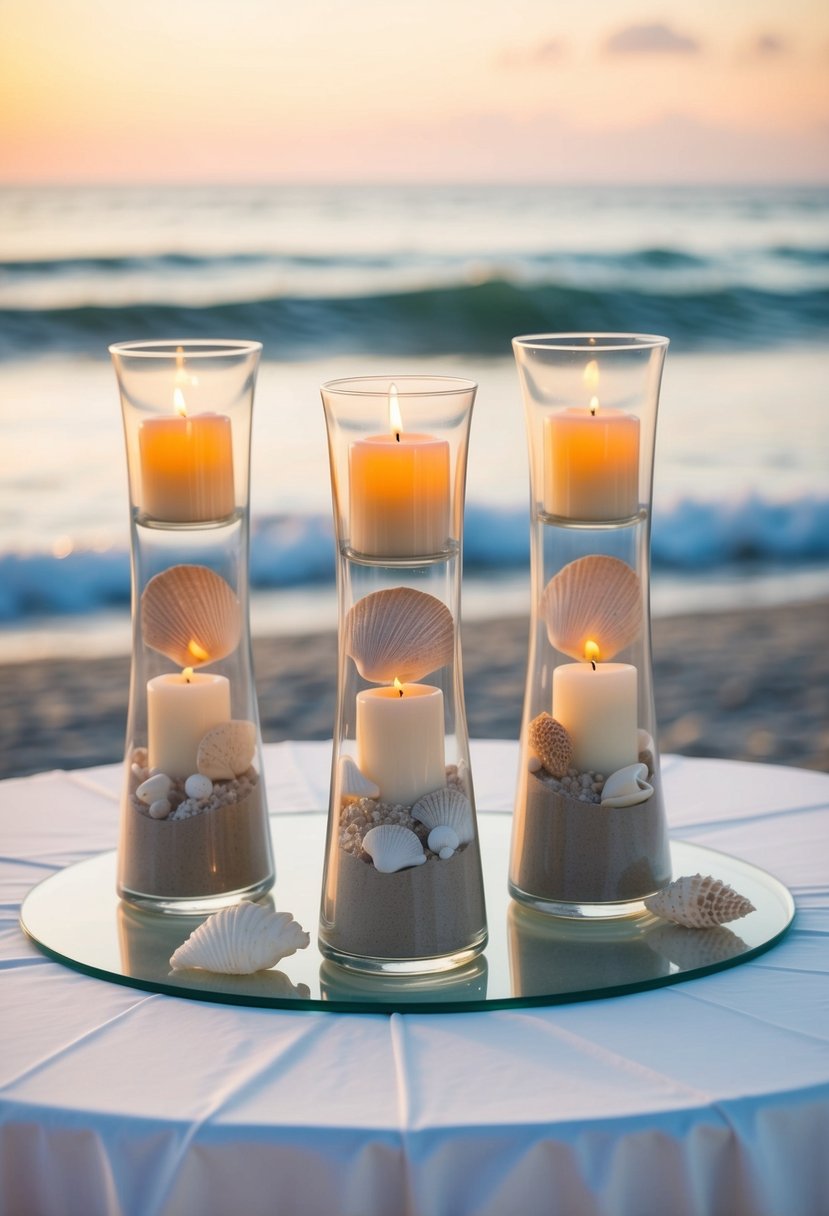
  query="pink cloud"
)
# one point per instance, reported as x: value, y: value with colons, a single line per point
x: 651, y: 38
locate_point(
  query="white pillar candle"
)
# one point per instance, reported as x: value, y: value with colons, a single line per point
x: 399, y: 492
x: 597, y: 704
x: 591, y: 463
x: 181, y: 709
x: 400, y: 740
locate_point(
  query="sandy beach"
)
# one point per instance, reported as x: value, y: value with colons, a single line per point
x: 751, y: 684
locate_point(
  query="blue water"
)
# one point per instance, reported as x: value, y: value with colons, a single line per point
x: 394, y: 279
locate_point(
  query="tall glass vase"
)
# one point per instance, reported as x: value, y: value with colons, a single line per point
x: 402, y: 888
x: 589, y: 829
x: 194, y: 820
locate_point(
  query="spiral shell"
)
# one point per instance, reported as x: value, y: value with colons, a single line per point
x: 449, y: 808
x: 699, y: 903
x: 551, y: 744
x: 191, y: 615
x: 593, y: 599
x: 240, y: 940
x: 226, y: 751
x: 399, y: 633
x: 690, y: 948
x: 627, y: 786
x: 353, y: 782
x: 392, y: 848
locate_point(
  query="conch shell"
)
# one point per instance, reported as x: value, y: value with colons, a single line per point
x: 227, y: 750
x: 191, y: 615
x: 595, y: 599
x: 699, y: 903
x: 399, y: 633
x: 240, y: 940
x: 627, y: 786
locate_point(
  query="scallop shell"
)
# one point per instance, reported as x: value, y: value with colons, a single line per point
x: 240, y: 940
x: 191, y: 615
x: 699, y: 903
x: 226, y: 750
x: 392, y: 848
x: 353, y: 782
x: 399, y: 633
x: 595, y: 598
x: 442, y: 838
x: 551, y: 744
x: 449, y: 808
x: 627, y: 786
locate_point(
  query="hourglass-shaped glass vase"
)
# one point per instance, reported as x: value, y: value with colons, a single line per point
x: 589, y: 829
x: 194, y: 820
x: 402, y: 888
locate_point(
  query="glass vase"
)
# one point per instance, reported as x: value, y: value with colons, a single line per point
x: 194, y: 820
x: 402, y: 887
x: 589, y: 829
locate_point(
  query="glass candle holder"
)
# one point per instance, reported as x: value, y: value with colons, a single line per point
x: 194, y: 819
x: 589, y: 830
x: 402, y: 887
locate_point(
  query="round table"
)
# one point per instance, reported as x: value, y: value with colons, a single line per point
x: 709, y: 1096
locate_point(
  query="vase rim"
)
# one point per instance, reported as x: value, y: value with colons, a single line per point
x: 591, y: 341
x: 405, y: 384
x: 190, y: 348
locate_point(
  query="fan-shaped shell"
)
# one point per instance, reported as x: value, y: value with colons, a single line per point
x: 353, y: 782
x: 699, y: 903
x: 240, y: 940
x: 226, y: 751
x: 593, y: 599
x: 442, y: 838
x: 449, y: 808
x: 392, y: 848
x: 627, y: 786
x: 551, y: 744
x: 191, y: 615
x: 399, y: 633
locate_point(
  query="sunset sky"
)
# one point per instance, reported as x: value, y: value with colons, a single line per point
x: 326, y: 90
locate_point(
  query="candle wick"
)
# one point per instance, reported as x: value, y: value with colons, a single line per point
x: 400, y: 692
x: 397, y: 436
x: 593, y: 664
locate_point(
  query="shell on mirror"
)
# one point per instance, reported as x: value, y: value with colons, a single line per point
x: 690, y: 948
x: 191, y: 615
x: 627, y: 786
x: 399, y: 633
x: 699, y: 902
x: 226, y: 750
x: 240, y: 940
x: 447, y: 807
x: 392, y: 848
x: 353, y: 782
x: 594, y: 599
x: 551, y: 743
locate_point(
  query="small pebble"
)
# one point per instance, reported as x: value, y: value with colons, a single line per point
x: 160, y: 809
x: 533, y: 764
x: 446, y: 853
x: 198, y: 786
x: 155, y: 787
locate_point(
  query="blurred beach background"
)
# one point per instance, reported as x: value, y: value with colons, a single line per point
x: 390, y: 264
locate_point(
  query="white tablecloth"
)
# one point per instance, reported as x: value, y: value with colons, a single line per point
x: 711, y: 1096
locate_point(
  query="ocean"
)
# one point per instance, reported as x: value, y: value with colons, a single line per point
x: 358, y: 280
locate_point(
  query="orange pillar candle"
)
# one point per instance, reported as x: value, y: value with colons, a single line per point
x: 399, y: 492
x: 186, y: 468
x: 591, y: 463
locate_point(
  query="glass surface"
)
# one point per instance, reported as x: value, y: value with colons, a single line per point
x: 77, y: 918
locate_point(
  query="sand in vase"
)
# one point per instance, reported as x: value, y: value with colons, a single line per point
x: 572, y: 851
x: 216, y: 851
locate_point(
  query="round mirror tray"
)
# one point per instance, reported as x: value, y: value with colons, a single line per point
x: 77, y: 918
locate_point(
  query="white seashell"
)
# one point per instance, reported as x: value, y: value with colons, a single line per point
x: 446, y: 853
x: 699, y: 903
x: 447, y: 808
x: 593, y: 599
x: 399, y: 634
x: 198, y: 786
x: 240, y: 940
x: 392, y: 848
x: 627, y: 786
x: 154, y: 788
x: 695, y: 947
x: 160, y: 809
x: 227, y: 750
x: 443, y: 837
x: 353, y: 782
x: 191, y: 615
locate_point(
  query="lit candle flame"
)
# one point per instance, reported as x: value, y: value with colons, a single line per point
x: 188, y: 674
x: 591, y: 652
x: 179, y: 402
x: 198, y: 652
x: 398, y: 686
x: 395, y: 417
x: 591, y: 381
x: 594, y: 404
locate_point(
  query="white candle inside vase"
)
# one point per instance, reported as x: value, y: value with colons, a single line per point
x: 400, y: 740
x: 181, y: 708
x: 597, y: 704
